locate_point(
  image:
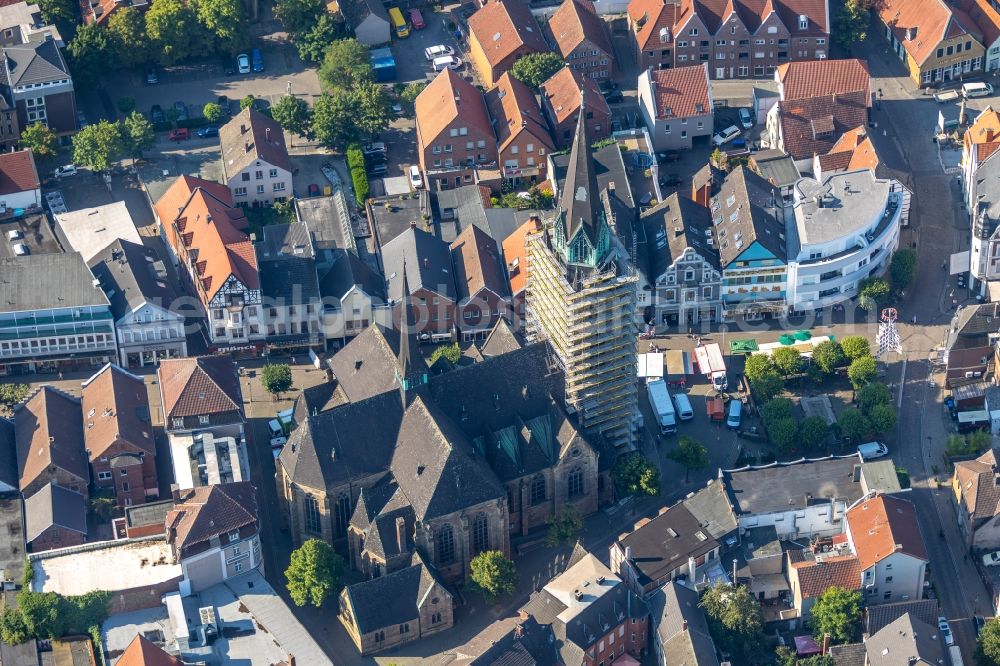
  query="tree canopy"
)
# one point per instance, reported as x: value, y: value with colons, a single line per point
x: 837, y: 612
x: 634, y: 475
x: 735, y: 622
x: 299, y: 15
x: 988, y: 646
x: 853, y: 424
x: 855, y: 346
x: 534, y: 69
x: 372, y: 113
x: 137, y: 134
x: 98, y: 146
x: 40, y: 138
x: 871, y: 395
x: 313, y: 43
x: 690, y: 453
x: 767, y: 385
x: 314, y: 573
x: 294, y: 115
x: 89, y: 53
x: 828, y: 356
x: 862, y: 371
x: 173, y: 30
x: 126, y: 30
x: 493, y: 574
x: 276, y: 378
x: 813, y: 432
x: 564, y: 526
x: 757, y: 365
x: 850, y: 21
x: 903, y: 268
x: 787, y: 360
x: 213, y: 112
x: 346, y: 63
x: 872, y: 292
x: 333, y: 119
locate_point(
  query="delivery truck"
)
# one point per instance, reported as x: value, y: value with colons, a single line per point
x: 663, y: 408
x: 712, y: 365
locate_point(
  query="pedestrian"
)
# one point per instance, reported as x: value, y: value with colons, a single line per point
x: 690, y: 331
x: 60, y: 375
x: 293, y: 360
x: 914, y: 319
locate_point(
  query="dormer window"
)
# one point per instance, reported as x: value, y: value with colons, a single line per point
x: 203, y: 419
x: 803, y: 22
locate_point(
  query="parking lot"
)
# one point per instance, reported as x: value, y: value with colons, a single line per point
x: 411, y: 63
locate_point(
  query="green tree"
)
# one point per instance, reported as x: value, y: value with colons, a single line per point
x: 978, y: 440
x: 872, y: 292
x: 314, y: 573
x: 412, y: 91
x: 102, y: 508
x: 89, y: 53
x: 333, y: 119
x: 784, y: 433
x: 347, y: 62
x: 872, y: 395
x: 767, y: 386
x: 813, y: 432
x: 40, y: 139
x: 299, y: 15
x: 837, y: 612
x: 226, y: 21
x: 293, y: 114
x: 564, y: 526
x: 735, y: 621
x: 173, y: 30
x: 313, y: 43
x: 853, y: 424
x: 757, y: 365
x: 903, y: 268
x: 43, y: 614
x: 97, y: 146
x: 855, y: 346
x: 828, y: 356
x: 13, y: 627
x: 493, y: 574
x: 64, y: 14
x: 785, y: 656
x: 535, y: 69
x: 850, y: 21
x: 634, y: 475
x: 126, y: 105
x: 247, y: 102
x: 787, y: 360
x: 862, y: 371
x: 126, y: 30
x: 882, y: 418
x: 276, y: 378
x: 372, y: 104
x: 452, y: 352
x: 903, y: 476
x: 957, y: 445
x: 817, y: 660
x: 777, y: 409
x: 213, y: 112
x: 690, y: 453
x: 988, y: 646
x: 138, y: 133
x: 11, y: 394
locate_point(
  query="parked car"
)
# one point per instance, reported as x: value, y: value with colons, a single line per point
x: 612, y: 93
x: 65, y: 171
x: 417, y: 19
x: 210, y: 130
x: 223, y: 102
x: 243, y: 63
x: 437, y: 51
x: 376, y: 158
x: 378, y: 170
x: 992, y: 559
x: 257, y: 59
x: 726, y: 135
x: 746, y: 119
x: 668, y: 156
x: 151, y: 76
x: 313, y: 190
x: 179, y: 134
x: 945, y: 631
x: 156, y: 114
x: 669, y: 180
x: 375, y: 147
x: 182, y: 110
x: 416, y: 180
x: 446, y: 62
x: 81, y: 120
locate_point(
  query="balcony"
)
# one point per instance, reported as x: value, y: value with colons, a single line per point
x: 889, y: 216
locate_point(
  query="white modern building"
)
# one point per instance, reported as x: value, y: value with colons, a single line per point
x: 845, y: 229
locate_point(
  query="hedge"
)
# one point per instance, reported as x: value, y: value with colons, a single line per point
x: 359, y: 175
x: 192, y: 123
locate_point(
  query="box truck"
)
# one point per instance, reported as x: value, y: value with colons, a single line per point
x: 712, y: 365
x: 659, y: 400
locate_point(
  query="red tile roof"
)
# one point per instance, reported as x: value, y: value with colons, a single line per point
x: 252, y: 136
x: 116, y: 407
x: 18, y: 173
x: 928, y: 22
x: 651, y: 17
x: 682, y: 92
x: 883, y: 526
x: 198, y: 386
x: 810, y: 126
x: 210, y: 511
x: 513, y: 108
x: 563, y: 94
x: 815, y: 577
x: 515, y: 252
x: 816, y: 78
x: 478, y: 263
x: 211, y: 228
x: 576, y: 21
x: 140, y: 652
x: 979, y: 485
x: 854, y: 150
x: 752, y: 13
x: 48, y: 432
x: 446, y: 98
x: 503, y: 26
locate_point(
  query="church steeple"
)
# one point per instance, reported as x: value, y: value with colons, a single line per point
x: 583, y: 228
x: 409, y: 375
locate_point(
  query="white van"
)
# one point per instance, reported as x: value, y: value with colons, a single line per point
x: 872, y: 450
x: 446, y: 62
x: 683, y: 403
x: 976, y: 90
x: 734, y: 413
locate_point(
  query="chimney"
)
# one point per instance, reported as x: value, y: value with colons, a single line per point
x: 628, y: 553
x: 427, y: 262
x: 246, y: 146
x: 175, y: 492
x: 413, y: 224
x: 537, y: 221
x: 703, y: 194
x: 243, y: 129
x: 267, y: 135
x: 401, y: 533
x: 684, y: 625
x: 826, y: 644
x: 518, y: 630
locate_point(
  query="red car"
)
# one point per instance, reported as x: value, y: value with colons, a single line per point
x: 417, y: 19
x: 179, y: 134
